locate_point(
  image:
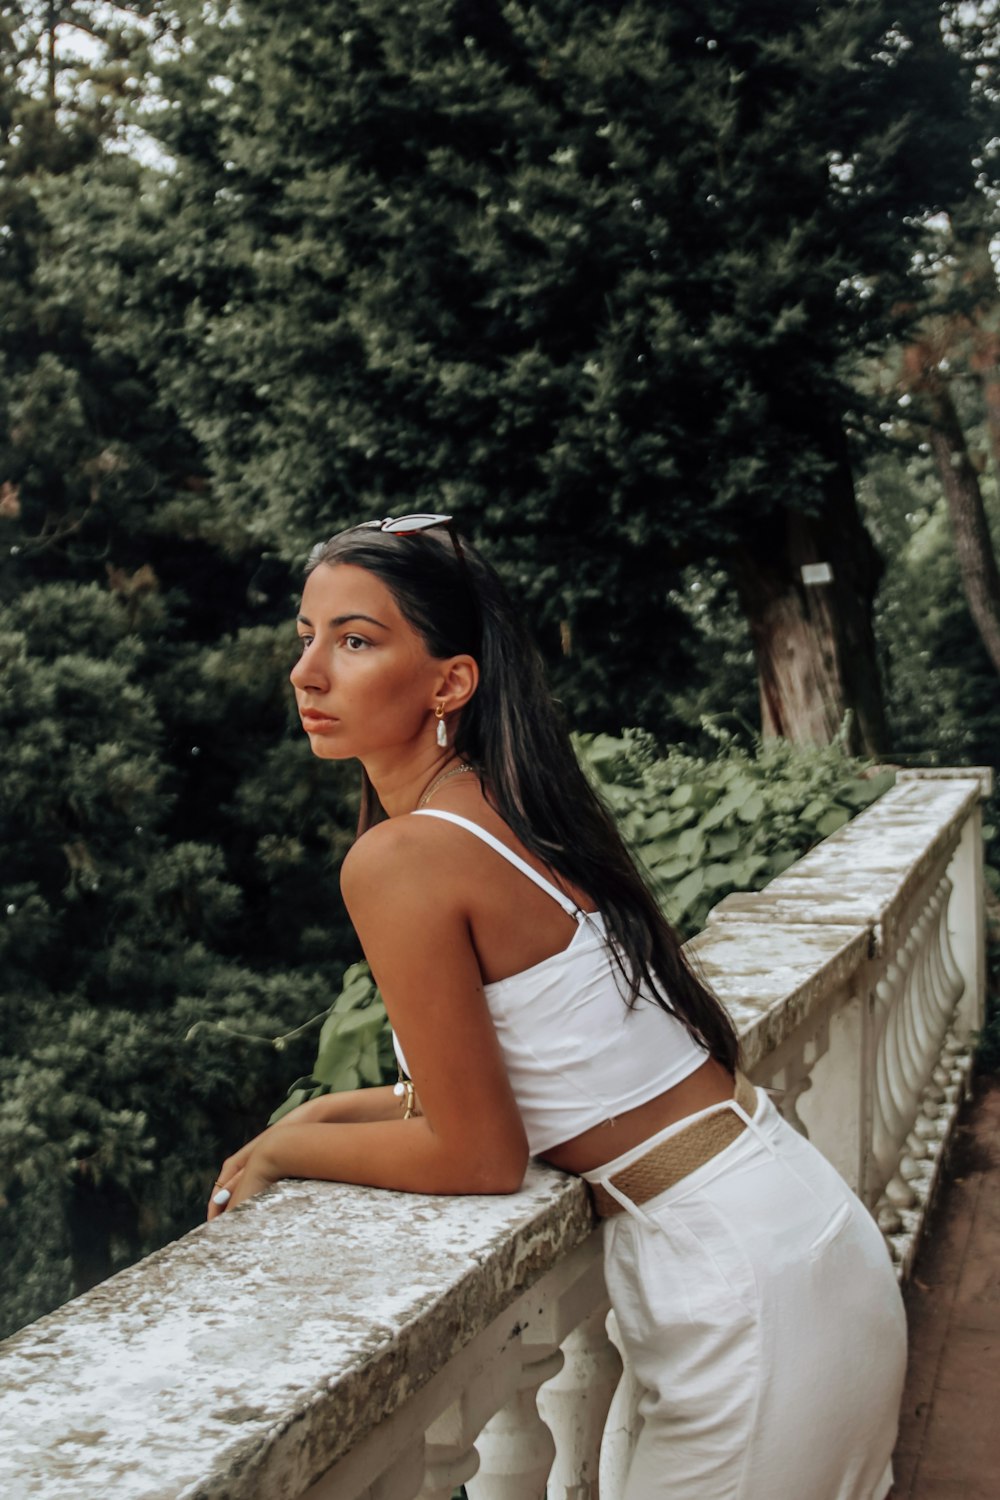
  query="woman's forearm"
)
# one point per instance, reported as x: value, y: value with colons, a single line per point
x: 353, y: 1107
x: 356, y: 1107
x: 402, y: 1154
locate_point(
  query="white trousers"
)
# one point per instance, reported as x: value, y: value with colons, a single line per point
x: 759, y: 1309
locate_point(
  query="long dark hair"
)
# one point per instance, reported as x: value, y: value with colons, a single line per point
x: 512, y: 733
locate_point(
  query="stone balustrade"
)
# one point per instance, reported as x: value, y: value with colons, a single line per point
x: 871, y: 983
x: 337, y: 1343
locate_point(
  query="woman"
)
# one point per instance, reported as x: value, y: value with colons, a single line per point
x: 541, y: 1005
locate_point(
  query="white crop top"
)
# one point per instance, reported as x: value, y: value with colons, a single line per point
x: 575, y: 1053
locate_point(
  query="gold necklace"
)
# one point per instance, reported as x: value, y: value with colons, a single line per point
x: 439, y: 781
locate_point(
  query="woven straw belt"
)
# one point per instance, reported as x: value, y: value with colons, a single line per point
x: 674, y: 1158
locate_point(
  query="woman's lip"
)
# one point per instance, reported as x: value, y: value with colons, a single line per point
x: 315, y: 720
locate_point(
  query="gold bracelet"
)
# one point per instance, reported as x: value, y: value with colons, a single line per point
x: 403, y: 1089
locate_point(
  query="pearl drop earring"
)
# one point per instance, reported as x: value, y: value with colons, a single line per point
x: 442, y: 732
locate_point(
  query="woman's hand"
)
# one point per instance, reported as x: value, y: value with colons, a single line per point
x: 353, y: 1106
x: 252, y: 1178
x: 230, y: 1178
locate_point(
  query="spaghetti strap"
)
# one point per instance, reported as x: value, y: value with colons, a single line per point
x: 564, y: 901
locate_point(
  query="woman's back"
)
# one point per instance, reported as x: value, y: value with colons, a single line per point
x: 577, y: 1055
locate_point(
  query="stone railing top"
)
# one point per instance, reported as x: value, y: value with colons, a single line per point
x: 772, y: 975
x: 866, y: 872
x: 243, y: 1359
x: 982, y: 774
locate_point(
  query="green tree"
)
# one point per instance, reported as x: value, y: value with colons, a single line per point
x: 169, y: 851
x: 595, y: 276
x: 940, y: 683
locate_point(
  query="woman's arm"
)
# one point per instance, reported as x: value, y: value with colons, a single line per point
x: 408, y: 908
x: 352, y: 1106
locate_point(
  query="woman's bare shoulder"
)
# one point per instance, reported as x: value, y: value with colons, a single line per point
x: 390, y: 853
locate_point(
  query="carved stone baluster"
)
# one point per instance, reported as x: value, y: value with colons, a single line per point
x: 574, y: 1404
x: 515, y: 1447
x: 623, y: 1425
x: 926, y: 1029
x: 924, y: 1019
x: 932, y: 1122
x: 883, y: 992
x: 958, y: 988
x: 952, y: 1060
x: 790, y: 1083
x: 796, y: 1077
x: 957, y: 1057
x: 889, y: 1124
x: 401, y: 1480
x: 966, y: 948
x: 909, y: 1074
x: 944, y: 997
x: 450, y: 1457
x: 888, y: 1119
x: 950, y: 983
x: 956, y: 1054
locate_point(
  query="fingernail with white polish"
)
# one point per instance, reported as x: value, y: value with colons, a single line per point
x: 221, y: 1198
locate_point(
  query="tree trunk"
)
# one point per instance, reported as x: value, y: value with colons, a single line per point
x: 977, y: 562
x: 981, y: 327
x: 990, y: 380
x: 813, y: 641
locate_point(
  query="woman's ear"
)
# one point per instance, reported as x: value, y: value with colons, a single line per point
x: 459, y: 680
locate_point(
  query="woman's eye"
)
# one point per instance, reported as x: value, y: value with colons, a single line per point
x: 305, y: 641
x: 355, y: 642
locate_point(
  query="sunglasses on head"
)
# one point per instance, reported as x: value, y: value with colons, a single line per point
x: 424, y: 521
x: 411, y: 525
x: 405, y: 525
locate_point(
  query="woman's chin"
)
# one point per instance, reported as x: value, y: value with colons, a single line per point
x: 322, y: 746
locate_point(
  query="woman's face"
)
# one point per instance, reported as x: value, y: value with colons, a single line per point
x: 365, y: 683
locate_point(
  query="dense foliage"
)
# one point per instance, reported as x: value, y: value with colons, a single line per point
x: 595, y: 276
x: 169, y: 891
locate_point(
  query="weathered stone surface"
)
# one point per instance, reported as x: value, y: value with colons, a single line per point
x: 983, y: 774
x: 868, y: 871
x: 299, y: 1321
x: 771, y: 974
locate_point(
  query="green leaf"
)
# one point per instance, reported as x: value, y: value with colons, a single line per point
x: 691, y: 843
x: 360, y: 1021
x: 725, y: 842
x: 296, y: 1096
x: 658, y: 849
x: 857, y: 794
x: 369, y: 1068
x: 752, y: 809
x: 779, y: 860
x: 332, y: 1053
x: 832, y: 820
x: 689, y: 889
x: 339, y: 1073
x: 659, y: 823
